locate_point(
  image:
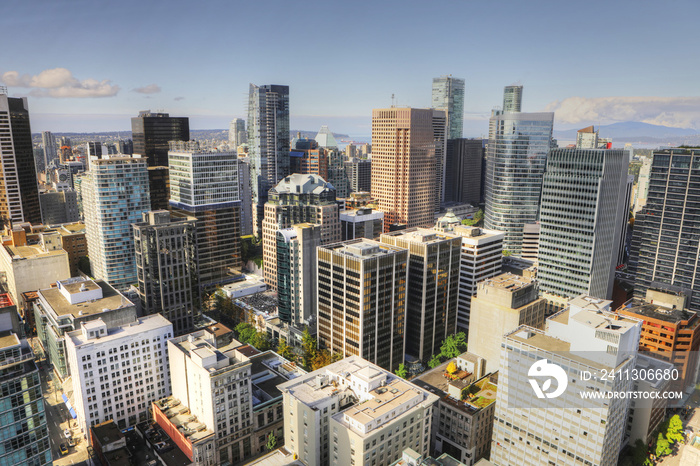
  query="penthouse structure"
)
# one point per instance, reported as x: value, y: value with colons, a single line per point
x: 63, y: 309
x: 502, y: 304
x: 433, y: 281
x: 362, y: 300
x: 353, y: 412
x: 297, y: 199
x: 566, y: 428
x: 138, y: 374
x: 361, y: 223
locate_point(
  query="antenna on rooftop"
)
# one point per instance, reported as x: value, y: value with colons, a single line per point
x: 393, y: 101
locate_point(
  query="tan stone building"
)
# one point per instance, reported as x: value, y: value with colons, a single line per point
x: 501, y: 305
x: 404, y: 164
x: 297, y: 199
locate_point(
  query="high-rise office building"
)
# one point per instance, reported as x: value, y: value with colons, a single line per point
x: 151, y: 133
x: 431, y: 289
x: 236, y: 133
x: 582, y: 216
x: 125, y: 147
x: 362, y: 300
x: 166, y: 266
x: 403, y: 165
x: 307, y: 158
x: 440, y: 130
x: 297, y: 199
x: 268, y: 143
x: 353, y: 412
x: 359, y: 172
x: 665, y: 242
x: 448, y: 94
x: 204, y: 185
x: 512, y: 98
x: 482, y: 254
x: 246, y: 196
x: 516, y: 159
x: 337, y: 176
x: 48, y: 141
x: 296, y: 272
x: 564, y: 429
x: 59, y: 207
x: 642, y: 185
x: 93, y: 149
x: 361, y: 223
x: 159, y: 185
x: 19, y: 191
x: 500, y: 305
x: 142, y: 347
x: 463, y: 165
x: 114, y: 195
x: 24, y: 426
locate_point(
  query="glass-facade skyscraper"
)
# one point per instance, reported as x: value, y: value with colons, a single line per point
x: 666, y: 242
x: 448, y: 94
x: 152, y: 132
x: 268, y: 143
x: 581, y: 221
x: 512, y: 98
x: 115, y: 194
x: 516, y: 159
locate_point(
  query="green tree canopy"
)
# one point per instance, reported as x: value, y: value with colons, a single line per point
x: 284, y: 350
x: 434, y: 361
x: 245, y: 332
x: 674, y: 432
x: 453, y: 346
x: 271, y: 442
x: 662, y: 446
x: 401, y: 371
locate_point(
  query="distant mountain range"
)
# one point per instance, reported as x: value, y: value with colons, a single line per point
x: 107, y: 136
x: 635, y: 131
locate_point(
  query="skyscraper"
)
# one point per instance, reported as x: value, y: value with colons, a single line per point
x: 114, y: 195
x: 48, y: 141
x: 362, y: 300
x: 151, y: 133
x: 665, y: 242
x: 448, y: 94
x: 166, y: 265
x: 432, y: 287
x: 582, y: 216
x: 297, y: 199
x: 268, y: 141
x: 517, y: 155
x: 359, y: 173
x: 403, y: 165
x: 236, y: 133
x: 463, y: 165
x: 19, y: 192
x: 204, y: 185
x: 440, y: 140
x: 512, y: 98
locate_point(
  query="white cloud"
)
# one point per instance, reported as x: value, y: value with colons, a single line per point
x: 679, y: 112
x: 150, y: 89
x: 60, y: 83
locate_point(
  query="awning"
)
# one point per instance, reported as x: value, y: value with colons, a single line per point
x: 69, y: 406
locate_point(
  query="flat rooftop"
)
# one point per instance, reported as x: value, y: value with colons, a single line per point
x: 641, y: 308
x: 6, y: 300
x: 384, y: 400
x: 8, y: 339
x: 31, y: 252
x: 111, y: 299
x: 435, y: 381
x: 364, y: 249
x: 142, y: 324
x: 107, y: 432
x: 180, y: 416
x: 508, y: 281
x: 421, y: 236
x: 600, y: 320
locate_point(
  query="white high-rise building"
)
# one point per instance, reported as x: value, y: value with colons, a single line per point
x: 354, y: 413
x: 115, y: 193
x: 565, y: 428
x: 482, y: 254
x: 236, y: 133
x: 50, y: 153
x: 582, y: 216
x: 117, y: 372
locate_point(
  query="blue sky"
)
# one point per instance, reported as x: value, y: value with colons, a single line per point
x: 590, y: 62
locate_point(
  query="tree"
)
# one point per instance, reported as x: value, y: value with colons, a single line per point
x: 674, y: 432
x: 261, y: 341
x: 322, y: 359
x: 451, y: 368
x: 271, y: 442
x: 639, y: 453
x: 245, y: 332
x: 309, y: 347
x: 662, y: 446
x: 284, y: 350
x: 453, y: 346
x: 401, y: 371
x: 434, y: 361
x: 476, y: 220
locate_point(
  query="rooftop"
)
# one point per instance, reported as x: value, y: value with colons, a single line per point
x: 639, y: 307
x: 142, y: 324
x: 6, y: 300
x: 183, y: 420
x: 111, y: 299
x: 508, y: 281
x: 364, y: 249
x: 421, y: 235
x: 598, y: 319
x: 307, y: 184
x: 107, y: 432
x: 31, y: 252
x: 8, y: 339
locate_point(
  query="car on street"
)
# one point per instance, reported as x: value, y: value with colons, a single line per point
x: 63, y: 449
x: 67, y: 433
